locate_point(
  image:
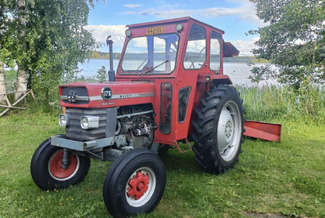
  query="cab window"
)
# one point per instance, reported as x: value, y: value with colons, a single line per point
x: 195, y: 54
x: 215, y: 51
x: 166, y: 91
x: 183, y: 98
x: 150, y: 55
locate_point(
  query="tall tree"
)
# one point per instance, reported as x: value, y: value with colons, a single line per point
x: 9, y: 38
x: 47, y: 40
x: 63, y: 42
x: 3, y: 89
x: 21, y: 84
x: 293, y: 40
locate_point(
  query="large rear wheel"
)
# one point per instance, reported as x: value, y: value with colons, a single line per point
x: 218, y: 129
x: 134, y: 184
x: 48, y: 172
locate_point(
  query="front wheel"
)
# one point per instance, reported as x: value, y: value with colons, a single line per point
x: 47, y: 170
x: 134, y: 184
x: 218, y: 129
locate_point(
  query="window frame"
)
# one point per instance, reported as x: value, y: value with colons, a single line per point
x: 186, y: 103
x: 206, y: 43
x: 219, y: 38
x: 121, y: 71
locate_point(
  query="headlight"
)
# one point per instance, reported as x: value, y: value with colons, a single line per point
x: 63, y: 120
x: 128, y: 32
x: 89, y: 122
x: 179, y: 27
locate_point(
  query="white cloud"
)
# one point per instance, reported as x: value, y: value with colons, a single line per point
x: 245, y: 47
x: 132, y: 5
x: 246, y: 11
x: 100, y: 33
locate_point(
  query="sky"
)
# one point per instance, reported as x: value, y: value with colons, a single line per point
x: 235, y: 17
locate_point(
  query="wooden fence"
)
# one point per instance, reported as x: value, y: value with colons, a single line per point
x: 12, y: 105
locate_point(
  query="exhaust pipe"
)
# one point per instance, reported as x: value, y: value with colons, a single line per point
x: 111, y: 72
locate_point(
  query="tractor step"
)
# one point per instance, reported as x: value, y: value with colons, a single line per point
x: 188, y: 145
x: 261, y: 130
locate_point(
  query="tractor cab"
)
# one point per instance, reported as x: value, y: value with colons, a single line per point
x: 183, y: 57
x: 169, y: 48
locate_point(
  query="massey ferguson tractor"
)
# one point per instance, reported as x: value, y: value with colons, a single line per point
x: 169, y: 89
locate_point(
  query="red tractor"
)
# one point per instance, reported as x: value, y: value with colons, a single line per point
x: 169, y: 89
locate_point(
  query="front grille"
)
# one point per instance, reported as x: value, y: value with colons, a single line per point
x: 79, y: 93
x: 74, y: 130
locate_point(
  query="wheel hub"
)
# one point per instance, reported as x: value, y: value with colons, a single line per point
x: 228, y: 129
x: 225, y: 129
x: 56, y: 169
x: 138, y: 185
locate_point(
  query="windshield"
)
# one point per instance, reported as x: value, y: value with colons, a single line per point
x: 151, y: 55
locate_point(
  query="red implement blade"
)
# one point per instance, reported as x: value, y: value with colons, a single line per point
x: 261, y: 130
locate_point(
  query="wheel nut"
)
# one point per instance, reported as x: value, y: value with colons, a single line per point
x: 140, y: 186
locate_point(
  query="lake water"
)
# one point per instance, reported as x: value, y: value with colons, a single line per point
x: 238, y: 72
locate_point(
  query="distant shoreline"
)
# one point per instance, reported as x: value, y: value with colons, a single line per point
x: 239, y: 59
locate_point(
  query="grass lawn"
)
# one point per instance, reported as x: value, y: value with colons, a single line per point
x: 286, y: 178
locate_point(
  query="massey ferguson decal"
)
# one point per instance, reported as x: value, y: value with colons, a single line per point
x: 106, y: 93
x: 137, y: 95
x: 121, y: 96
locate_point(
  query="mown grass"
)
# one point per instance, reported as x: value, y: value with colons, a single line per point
x: 286, y: 178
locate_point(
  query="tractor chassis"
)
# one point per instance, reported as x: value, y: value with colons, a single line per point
x: 99, y: 148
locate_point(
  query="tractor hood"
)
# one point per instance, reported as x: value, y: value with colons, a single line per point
x: 109, y: 94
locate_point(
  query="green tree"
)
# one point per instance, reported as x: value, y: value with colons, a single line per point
x: 116, y: 55
x: 102, y: 74
x: 293, y: 40
x: 3, y: 31
x: 95, y: 54
x: 46, y: 39
x: 3, y: 89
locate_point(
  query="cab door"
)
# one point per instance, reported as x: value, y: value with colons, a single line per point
x: 194, y: 63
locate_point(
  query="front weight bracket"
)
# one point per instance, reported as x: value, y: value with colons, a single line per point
x: 65, y: 161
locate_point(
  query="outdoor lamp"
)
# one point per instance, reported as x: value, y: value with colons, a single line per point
x: 63, y: 120
x: 89, y: 122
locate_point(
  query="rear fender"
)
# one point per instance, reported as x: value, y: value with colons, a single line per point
x: 222, y: 81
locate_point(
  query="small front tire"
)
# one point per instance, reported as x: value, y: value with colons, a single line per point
x: 48, y: 173
x: 134, y: 184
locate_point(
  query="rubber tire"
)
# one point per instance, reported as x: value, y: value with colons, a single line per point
x: 206, y: 129
x: 118, y: 175
x: 40, y: 172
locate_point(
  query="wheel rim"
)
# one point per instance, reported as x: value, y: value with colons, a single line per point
x: 55, y: 167
x: 140, y: 187
x: 229, y: 130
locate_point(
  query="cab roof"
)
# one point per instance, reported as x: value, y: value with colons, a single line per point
x: 228, y: 49
x: 170, y: 21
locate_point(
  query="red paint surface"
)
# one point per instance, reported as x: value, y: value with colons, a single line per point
x: 118, y: 88
x: 138, y: 185
x: 261, y: 130
x: 56, y: 168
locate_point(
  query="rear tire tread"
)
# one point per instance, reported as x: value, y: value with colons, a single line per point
x: 205, y: 128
